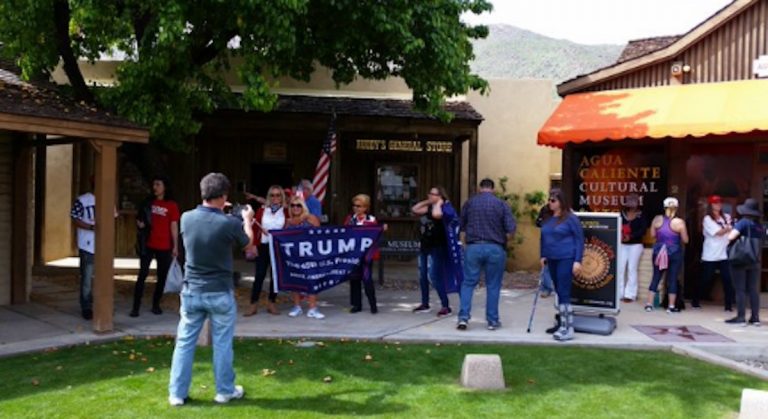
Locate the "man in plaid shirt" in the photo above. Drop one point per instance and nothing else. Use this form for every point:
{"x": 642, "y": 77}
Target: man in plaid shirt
{"x": 488, "y": 223}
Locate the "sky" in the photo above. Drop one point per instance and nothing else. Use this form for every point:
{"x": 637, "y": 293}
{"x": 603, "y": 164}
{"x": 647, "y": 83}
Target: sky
{"x": 601, "y": 21}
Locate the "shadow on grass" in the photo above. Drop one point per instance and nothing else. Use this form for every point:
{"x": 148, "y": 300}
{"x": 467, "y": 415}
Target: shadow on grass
{"x": 330, "y": 404}
{"x": 381, "y": 372}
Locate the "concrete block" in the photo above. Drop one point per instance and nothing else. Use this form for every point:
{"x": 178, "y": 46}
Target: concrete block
{"x": 482, "y": 372}
{"x": 754, "y": 404}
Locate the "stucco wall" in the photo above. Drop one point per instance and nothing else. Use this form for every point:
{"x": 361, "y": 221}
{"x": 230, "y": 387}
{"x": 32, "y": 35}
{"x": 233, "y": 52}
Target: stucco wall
{"x": 58, "y": 196}
{"x": 514, "y": 111}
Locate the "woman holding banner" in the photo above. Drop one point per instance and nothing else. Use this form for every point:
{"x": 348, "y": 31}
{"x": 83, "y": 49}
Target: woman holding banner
{"x": 361, "y": 203}
{"x": 433, "y": 257}
{"x": 671, "y": 234}
{"x": 562, "y": 248}
{"x": 272, "y": 216}
{"x": 301, "y": 218}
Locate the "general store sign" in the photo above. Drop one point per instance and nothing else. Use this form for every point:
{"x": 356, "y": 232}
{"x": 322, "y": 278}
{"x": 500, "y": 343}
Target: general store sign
{"x": 404, "y": 145}
{"x": 760, "y": 66}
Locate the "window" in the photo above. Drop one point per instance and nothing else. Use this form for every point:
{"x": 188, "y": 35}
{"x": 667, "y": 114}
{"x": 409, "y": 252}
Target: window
{"x": 396, "y": 190}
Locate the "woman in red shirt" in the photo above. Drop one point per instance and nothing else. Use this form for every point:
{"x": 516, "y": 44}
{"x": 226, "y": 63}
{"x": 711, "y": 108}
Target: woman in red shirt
{"x": 158, "y": 223}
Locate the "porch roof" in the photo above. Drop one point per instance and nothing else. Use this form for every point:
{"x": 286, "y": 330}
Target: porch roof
{"x": 37, "y": 107}
{"x": 393, "y": 108}
{"x": 645, "y": 114}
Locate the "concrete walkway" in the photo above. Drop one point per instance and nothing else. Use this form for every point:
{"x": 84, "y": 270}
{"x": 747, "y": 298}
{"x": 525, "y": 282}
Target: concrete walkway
{"x": 53, "y": 320}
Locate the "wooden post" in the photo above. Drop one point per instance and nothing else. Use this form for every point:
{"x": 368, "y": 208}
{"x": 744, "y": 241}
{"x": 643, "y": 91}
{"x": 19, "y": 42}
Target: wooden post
{"x": 20, "y": 268}
{"x": 568, "y": 175}
{"x": 473, "y": 151}
{"x": 41, "y": 157}
{"x": 103, "y": 281}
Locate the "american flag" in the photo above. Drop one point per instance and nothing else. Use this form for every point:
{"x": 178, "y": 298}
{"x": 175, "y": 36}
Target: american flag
{"x": 320, "y": 182}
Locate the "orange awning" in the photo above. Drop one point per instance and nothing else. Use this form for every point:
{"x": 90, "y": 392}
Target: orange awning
{"x": 656, "y": 112}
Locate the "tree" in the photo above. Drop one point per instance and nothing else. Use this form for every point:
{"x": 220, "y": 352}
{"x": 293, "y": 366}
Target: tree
{"x": 176, "y": 51}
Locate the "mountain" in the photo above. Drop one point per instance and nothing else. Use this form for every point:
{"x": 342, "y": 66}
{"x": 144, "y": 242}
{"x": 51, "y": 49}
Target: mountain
{"x": 513, "y": 53}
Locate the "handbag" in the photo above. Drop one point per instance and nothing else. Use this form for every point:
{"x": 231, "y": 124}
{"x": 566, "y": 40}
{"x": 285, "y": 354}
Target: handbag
{"x": 175, "y": 280}
{"x": 742, "y": 252}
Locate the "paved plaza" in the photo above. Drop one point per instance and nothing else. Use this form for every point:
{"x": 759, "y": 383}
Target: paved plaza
{"x": 53, "y": 319}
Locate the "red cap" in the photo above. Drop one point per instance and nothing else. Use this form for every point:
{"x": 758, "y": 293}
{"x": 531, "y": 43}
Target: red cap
{"x": 715, "y": 199}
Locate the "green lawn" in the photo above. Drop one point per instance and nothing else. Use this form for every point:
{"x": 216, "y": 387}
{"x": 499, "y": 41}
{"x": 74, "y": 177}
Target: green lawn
{"x": 129, "y": 379}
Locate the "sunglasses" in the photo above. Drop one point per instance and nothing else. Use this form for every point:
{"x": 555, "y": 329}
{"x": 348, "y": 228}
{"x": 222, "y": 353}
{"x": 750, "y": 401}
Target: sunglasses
{"x": 358, "y": 206}
{"x": 553, "y": 200}
{"x": 275, "y": 195}
{"x": 295, "y": 205}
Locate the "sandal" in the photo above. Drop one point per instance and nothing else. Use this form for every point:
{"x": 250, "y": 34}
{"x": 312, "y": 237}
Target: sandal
{"x": 252, "y": 310}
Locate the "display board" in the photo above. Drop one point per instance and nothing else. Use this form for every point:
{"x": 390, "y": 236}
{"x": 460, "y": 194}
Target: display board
{"x": 596, "y": 288}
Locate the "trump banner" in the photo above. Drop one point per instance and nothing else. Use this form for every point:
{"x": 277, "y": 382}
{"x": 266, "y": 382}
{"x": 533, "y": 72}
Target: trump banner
{"x": 311, "y": 260}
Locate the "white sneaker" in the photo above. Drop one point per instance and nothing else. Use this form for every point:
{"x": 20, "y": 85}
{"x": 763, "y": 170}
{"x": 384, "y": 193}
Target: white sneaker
{"x": 175, "y": 401}
{"x": 295, "y": 311}
{"x": 225, "y": 398}
{"x": 314, "y": 313}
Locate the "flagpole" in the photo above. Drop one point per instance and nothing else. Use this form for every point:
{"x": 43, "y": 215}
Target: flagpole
{"x": 336, "y": 170}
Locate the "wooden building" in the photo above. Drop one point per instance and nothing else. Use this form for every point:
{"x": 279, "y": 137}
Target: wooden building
{"x": 384, "y": 149}
{"x": 681, "y": 116}
{"x": 32, "y": 118}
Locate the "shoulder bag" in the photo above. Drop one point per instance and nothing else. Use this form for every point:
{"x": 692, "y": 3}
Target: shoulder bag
{"x": 743, "y": 252}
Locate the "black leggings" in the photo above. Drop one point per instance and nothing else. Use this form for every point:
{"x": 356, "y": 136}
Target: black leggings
{"x": 746, "y": 280}
{"x": 262, "y": 263}
{"x": 164, "y": 258}
{"x": 356, "y": 293}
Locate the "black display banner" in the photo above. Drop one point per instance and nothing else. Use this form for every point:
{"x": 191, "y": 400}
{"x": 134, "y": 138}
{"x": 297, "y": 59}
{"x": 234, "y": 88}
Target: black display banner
{"x": 606, "y": 176}
{"x": 595, "y": 288}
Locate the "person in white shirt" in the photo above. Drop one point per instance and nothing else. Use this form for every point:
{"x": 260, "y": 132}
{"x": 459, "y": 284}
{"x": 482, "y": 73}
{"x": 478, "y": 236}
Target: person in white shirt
{"x": 271, "y": 216}
{"x": 714, "y": 255}
{"x": 83, "y": 216}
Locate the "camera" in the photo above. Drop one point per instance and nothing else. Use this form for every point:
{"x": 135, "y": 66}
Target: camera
{"x": 236, "y": 210}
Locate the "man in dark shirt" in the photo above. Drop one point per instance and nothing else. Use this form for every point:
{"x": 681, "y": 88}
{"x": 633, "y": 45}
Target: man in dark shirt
{"x": 488, "y": 223}
{"x": 208, "y": 236}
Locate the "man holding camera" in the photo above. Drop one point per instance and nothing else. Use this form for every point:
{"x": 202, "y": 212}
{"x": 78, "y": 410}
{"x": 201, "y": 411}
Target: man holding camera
{"x": 208, "y": 236}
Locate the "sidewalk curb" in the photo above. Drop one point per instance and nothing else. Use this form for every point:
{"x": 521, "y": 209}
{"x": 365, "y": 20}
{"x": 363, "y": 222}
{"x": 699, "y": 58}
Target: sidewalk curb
{"x": 711, "y": 358}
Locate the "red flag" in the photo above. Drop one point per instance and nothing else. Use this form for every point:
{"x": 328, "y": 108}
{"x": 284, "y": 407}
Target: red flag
{"x": 320, "y": 182}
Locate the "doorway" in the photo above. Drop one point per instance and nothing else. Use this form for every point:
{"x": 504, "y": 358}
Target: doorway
{"x": 264, "y": 175}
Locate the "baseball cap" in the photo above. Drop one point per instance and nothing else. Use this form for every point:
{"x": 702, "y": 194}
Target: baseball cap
{"x": 671, "y": 202}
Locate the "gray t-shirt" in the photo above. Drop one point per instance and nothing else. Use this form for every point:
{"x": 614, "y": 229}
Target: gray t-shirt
{"x": 208, "y": 236}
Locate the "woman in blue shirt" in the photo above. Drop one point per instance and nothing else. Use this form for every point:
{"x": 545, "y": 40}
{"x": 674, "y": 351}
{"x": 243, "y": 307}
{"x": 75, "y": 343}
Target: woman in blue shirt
{"x": 746, "y": 277}
{"x": 562, "y": 247}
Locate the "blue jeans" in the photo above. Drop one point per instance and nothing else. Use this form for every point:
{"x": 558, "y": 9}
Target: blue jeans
{"x": 546, "y": 281}
{"x": 431, "y": 262}
{"x": 675, "y": 254}
{"x": 86, "y": 280}
{"x": 561, "y": 271}
{"x": 221, "y": 309}
{"x": 490, "y": 258}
